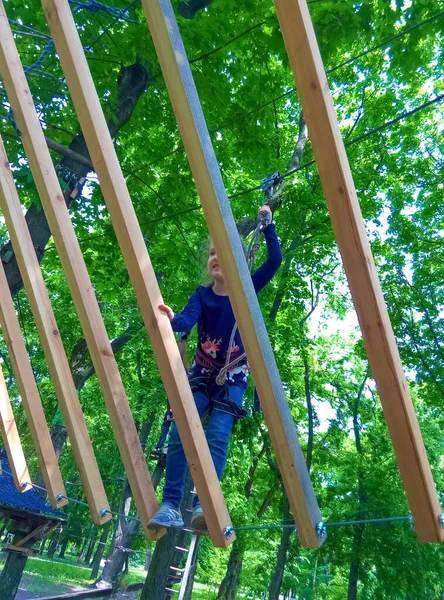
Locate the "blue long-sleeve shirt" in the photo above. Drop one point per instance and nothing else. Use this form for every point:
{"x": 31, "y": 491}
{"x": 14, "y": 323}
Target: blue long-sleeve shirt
{"x": 215, "y": 319}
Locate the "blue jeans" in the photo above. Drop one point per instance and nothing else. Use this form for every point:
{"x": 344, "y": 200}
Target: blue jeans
{"x": 217, "y": 434}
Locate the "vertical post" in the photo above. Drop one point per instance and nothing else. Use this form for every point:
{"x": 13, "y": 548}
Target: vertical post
{"x": 337, "y": 182}
{"x": 74, "y": 266}
{"x": 53, "y": 347}
{"x": 139, "y": 266}
{"x": 11, "y": 439}
{"x": 206, "y": 173}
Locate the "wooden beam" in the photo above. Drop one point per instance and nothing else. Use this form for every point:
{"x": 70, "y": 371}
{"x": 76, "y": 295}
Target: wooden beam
{"x": 349, "y": 228}
{"x": 206, "y": 173}
{"x": 52, "y": 344}
{"x": 73, "y": 263}
{"x": 11, "y": 438}
{"x": 139, "y": 266}
{"x": 29, "y": 393}
{"x": 31, "y": 535}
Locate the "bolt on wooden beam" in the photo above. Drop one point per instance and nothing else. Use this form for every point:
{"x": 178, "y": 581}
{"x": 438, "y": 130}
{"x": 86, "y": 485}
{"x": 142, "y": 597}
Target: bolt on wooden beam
{"x": 76, "y": 273}
{"x": 182, "y": 90}
{"x": 348, "y": 225}
{"x": 49, "y": 333}
{"x": 129, "y": 235}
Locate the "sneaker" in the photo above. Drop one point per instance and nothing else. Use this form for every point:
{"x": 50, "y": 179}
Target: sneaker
{"x": 198, "y": 522}
{"x": 166, "y": 516}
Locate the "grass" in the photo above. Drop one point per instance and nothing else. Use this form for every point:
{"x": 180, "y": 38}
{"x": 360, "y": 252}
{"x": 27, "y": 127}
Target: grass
{"x": 52, "y": 576}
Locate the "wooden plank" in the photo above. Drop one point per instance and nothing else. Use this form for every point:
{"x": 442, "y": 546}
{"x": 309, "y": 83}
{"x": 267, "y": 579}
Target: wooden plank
{"x": 54, "y": 351}
{"x": 197, "y": 142}
{"x": 74, "y": 267}
{"x": 29, "y": 394}
{"x": 11, "y": 438}
{"x": 30, "y": 535}
{"x": 348, "y": 224}
{"x": 139, "y": 266}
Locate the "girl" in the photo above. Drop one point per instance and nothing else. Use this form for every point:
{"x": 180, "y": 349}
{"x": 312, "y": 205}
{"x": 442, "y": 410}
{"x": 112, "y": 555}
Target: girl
{"x": 210, "y": 308}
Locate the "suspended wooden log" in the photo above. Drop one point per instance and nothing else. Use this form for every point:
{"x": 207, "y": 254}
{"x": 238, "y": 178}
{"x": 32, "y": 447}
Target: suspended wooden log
{"x": 73, "y": 263}
{"x": 349, "y": 228}
{"x": 11, "y": 438}
{"x": 140, "y": 269}
{"x": 182, "y": 90}
{"x": 53, "y": 347}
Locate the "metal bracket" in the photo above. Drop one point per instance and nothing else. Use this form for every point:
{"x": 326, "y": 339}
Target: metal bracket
{"x": 321, "y": 529}
{"x": 228, "y": 532}
{"x": 268, "y": 184}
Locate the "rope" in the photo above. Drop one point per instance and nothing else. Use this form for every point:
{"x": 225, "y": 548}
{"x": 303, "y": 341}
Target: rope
{"x": 292, "y": 90}
{"x": 251, "y": 255}
{"x": 94, "y": 6}
{"x": 356, "y": 140}
{"x": 40, "y": 61}
{"x": 76, "y": 501}
{"x": 327, "y": 524}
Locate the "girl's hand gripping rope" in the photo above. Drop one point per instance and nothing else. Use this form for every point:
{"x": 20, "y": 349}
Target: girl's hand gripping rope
{"x": 265, "y": 216}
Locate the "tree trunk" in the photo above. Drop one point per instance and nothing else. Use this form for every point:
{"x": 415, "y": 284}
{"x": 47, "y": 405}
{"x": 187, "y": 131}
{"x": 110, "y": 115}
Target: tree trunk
{"x": 353, "y": 577}
{"x": 276, "y": 579}
{"x": 90, "y": 550}
{"x": 132, "y": 83}
{"x": 15, "y": 562}
{"x": 162, "y": 559}
{"x": 81, "y": 554}
{"x": 228, "y": 587}
{"x": 100, "y": 550}
{"x": 358, "y": 530}
{"x": 125, "y": 534}
{"x": 123, "y": 538}
{"x": 11, "y": 575}
{"x": 165, "y": 554}
{"x": 42, "y": 546}
{"x": 53, "y": 545}
{"x": 65, "y": 543}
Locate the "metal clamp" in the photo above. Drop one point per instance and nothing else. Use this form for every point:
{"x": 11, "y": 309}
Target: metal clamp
{"x": 268, "y": 184}
{"x": 321, "y": 529}
{"x": 104, "y": 512}
{"x": 228, "y": 532}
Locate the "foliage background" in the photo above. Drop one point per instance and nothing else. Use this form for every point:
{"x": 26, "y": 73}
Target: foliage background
{"x": 244, "y": 82}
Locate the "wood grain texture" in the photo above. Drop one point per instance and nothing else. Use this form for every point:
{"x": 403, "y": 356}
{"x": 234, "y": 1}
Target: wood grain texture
{"x": 348, "y": 224}
{"x": 10, "y": 436}
{"x": 139, "y": 266}
{"x": 81, "y": 288}
{"x": 51, "y": 342}
{"x": 206, "y": 173}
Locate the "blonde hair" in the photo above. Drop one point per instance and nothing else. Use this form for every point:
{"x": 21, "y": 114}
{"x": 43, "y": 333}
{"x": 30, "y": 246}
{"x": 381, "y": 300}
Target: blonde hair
{"x": 206, "y": 279}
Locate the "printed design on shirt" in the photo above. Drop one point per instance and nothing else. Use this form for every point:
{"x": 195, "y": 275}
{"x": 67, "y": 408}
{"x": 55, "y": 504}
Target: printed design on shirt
{"x": 234, "y": 348}
{"x": 211, "y": 347}
{"x": 239, "y": 372}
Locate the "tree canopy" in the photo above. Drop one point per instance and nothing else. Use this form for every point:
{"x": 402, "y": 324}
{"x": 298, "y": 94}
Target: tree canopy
{"x": 384, "y": 62}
